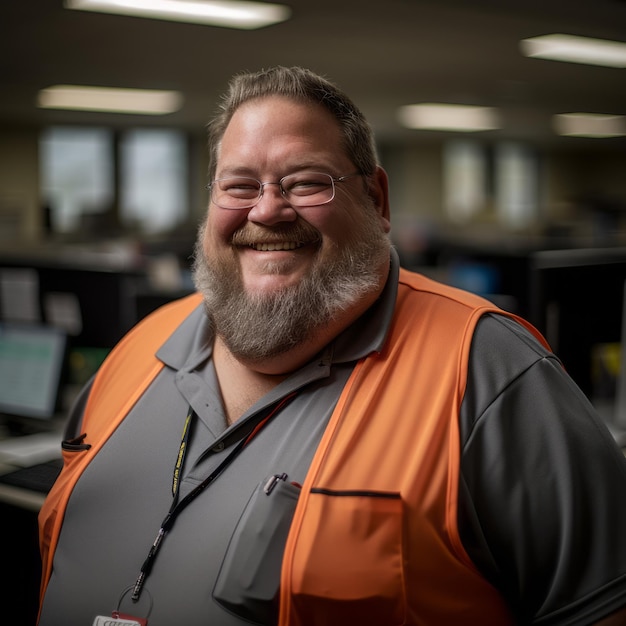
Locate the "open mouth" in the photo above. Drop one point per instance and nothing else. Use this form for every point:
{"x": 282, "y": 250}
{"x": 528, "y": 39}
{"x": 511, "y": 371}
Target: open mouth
{"x": 276, "y": 246}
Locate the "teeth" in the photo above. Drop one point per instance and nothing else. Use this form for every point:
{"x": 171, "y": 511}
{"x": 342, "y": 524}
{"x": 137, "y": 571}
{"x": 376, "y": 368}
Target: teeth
{"x": 270, "y": 247}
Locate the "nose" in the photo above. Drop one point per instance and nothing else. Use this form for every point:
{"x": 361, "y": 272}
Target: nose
{"x": 272, "y": 207}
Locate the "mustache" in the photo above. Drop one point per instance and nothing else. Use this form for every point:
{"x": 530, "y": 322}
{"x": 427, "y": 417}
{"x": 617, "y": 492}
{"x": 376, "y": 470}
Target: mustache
{"x": 300, "y": 232}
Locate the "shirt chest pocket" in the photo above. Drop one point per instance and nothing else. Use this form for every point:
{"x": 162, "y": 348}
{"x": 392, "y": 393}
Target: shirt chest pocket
{"x": 348, "y": 564}
{"x": 249, "y": 578}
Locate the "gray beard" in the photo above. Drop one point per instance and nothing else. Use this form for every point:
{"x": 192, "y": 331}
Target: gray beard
{"x": 259, "y": 326}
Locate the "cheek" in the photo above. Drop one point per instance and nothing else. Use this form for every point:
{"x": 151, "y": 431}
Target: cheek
{"x": 221, "y": 225}
{"x": 333, "y": 225}
{"x": 344, "y": 228}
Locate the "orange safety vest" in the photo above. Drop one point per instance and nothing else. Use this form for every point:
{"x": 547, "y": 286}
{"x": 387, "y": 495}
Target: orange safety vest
{"x": 121, "y": 380}
{"x": 374, "y": 538}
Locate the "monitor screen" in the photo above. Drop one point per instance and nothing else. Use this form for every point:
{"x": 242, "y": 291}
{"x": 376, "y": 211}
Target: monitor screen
{"x": 32, "y": 359}
{"x": 578, "y": 302}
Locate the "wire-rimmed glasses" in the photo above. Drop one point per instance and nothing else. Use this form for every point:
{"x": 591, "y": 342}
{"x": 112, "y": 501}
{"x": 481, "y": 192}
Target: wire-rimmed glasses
{"x": 301, "y": 189}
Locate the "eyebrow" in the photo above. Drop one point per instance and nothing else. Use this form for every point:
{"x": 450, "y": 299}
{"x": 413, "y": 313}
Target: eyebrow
{"x": 300, "y": 167}
{"x": 235, "y": 171}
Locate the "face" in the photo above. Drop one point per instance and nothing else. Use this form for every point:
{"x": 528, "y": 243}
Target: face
{"x": 274, "y": 273}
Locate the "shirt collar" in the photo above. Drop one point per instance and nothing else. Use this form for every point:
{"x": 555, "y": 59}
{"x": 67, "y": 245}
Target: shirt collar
{"x": 369, "y": 333}
{"x": 191, "y": 343}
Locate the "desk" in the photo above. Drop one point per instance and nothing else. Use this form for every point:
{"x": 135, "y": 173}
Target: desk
{"x": 21, "y": 561}
{"x": 19, "y": 508}
{"x": 21, "y": 498}
{"x": 25, "y": 453}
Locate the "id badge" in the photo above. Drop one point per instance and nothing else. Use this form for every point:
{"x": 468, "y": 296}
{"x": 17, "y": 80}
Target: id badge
{"x": 119, "y": 619}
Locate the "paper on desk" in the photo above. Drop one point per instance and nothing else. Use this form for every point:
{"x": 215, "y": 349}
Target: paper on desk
{"x": 29, "y": 450}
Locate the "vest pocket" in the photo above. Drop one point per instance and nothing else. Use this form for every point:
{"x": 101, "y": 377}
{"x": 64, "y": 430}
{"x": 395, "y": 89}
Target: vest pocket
{"x": 348, "y": 565}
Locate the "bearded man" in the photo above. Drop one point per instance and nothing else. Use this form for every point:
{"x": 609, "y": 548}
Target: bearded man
{"x": 320, "y": 436}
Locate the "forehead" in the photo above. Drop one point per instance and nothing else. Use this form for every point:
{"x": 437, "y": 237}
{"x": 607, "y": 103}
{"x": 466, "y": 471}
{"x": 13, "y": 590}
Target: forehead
{"x": 276, "y": 127}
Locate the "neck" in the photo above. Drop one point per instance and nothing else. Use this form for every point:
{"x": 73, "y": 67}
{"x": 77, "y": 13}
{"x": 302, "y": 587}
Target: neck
{"x": 241, "y": 386}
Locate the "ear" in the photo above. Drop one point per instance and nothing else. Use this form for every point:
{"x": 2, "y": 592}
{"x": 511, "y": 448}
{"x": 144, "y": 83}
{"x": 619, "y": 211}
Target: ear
{"x": 379, "y": 192}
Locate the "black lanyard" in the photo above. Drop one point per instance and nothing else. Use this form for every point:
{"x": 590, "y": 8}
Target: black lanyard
{"x": 177, "y": 506}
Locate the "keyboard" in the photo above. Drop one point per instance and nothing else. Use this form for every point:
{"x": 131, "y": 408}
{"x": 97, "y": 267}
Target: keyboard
{"x": 39, "y": 477}
{"x": 29, "y": 450}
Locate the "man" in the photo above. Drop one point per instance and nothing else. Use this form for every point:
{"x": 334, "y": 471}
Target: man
{"x": 326, "y": 438}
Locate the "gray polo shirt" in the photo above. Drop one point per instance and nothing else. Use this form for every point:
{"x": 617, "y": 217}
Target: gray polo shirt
{"x": 120, "y": 501}
{"x": 532, "y": 450}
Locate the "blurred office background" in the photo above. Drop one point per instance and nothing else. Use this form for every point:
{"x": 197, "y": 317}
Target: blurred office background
{"x": 103, "y": 206}
{"x": 520, "y": 197}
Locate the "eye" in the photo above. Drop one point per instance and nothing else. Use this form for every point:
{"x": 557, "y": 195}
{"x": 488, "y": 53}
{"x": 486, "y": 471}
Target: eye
{"x": 240, "y": 187}
{"x": 307, "y": 183}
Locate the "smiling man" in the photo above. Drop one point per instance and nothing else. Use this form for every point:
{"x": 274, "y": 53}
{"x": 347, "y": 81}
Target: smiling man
{"x": 286, "y": 265}
{"x": 321, "y": 437}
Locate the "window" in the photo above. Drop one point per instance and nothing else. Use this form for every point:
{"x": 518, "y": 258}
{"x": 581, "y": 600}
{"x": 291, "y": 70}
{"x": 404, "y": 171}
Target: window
{"x": 504, "y": 176}
{"x": 516, "y": 185}
{"x": 465, "y": 180}
{"x": 153, "y": 172}
{"x": 78, "y": 180}
{"x": 77, "y": 175}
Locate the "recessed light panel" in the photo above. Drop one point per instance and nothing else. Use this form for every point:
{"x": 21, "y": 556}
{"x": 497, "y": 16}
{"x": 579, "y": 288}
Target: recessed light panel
{"x": 235, "y": 14}
{"x": 138, "y": 101}
{"x": 450, "y": 117}
{"x": 573, "y": 49}
{"x": 590, "y": 125}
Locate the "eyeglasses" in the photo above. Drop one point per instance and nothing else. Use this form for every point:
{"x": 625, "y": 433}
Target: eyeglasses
{"x": 302, "y": 189}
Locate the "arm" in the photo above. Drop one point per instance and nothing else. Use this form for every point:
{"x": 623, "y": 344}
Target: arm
{"x": 535, "y": 450}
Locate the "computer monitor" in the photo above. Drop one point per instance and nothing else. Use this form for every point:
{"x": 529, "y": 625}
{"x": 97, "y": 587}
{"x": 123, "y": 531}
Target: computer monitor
{"x": 578, "y": 303}
{"x": 94, "y": 304}
{"x": 619, "y": 417}
{"x": 32, "y": 362}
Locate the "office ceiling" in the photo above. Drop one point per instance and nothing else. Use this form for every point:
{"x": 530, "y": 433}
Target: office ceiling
{"x": 385, "y": 53}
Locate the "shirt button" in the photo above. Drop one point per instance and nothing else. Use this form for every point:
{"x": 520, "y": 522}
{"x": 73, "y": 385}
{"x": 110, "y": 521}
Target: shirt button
{"x": 218, "y": 447}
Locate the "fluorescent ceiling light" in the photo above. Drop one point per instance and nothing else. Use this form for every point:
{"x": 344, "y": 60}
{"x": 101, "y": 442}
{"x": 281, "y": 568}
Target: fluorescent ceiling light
{"x": 573, "y": 49}
{"x": 452, "y": 117}
{"x": 590, "y": 125}
{"x": 140, "y": 101}
{"x": 235, "y": 14}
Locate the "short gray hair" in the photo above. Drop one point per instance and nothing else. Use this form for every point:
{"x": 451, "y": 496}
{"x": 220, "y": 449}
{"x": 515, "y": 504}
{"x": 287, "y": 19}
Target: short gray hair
{"x": 301, "y": 85}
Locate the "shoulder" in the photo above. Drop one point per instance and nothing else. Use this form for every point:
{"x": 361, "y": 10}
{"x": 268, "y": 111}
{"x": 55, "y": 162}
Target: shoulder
{"x": 506, "y": 361}
{"x": 423, "y": 303}
{"x": 533, "y": 449}
{"x": 449, "y": 313}
{"x": 412, "y": 283}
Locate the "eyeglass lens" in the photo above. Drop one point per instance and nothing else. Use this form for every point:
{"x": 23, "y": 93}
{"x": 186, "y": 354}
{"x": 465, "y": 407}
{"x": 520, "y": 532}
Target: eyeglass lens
{"x": 300, "y": 189}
